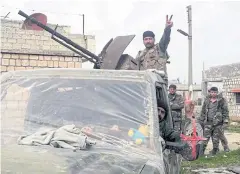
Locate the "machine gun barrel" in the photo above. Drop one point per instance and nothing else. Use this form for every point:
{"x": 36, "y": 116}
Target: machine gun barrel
{"x": 53, "y": 32}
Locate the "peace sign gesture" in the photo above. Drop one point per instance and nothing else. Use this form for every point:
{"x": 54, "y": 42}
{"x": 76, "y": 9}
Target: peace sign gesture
{"x": 168, "y": 21}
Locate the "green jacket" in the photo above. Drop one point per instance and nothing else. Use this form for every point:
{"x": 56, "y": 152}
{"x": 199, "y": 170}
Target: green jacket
{"x": 168, "y": 133}
{"x": 222, "y": 113}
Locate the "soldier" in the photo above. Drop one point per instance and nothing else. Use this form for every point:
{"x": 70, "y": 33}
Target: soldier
{"x": 155, "y": 56}
{"x": 176, "y": 104}
{"x": 214, "y": 117}
{"x": 167, "y": 133}
{"x": 222, "y": 137}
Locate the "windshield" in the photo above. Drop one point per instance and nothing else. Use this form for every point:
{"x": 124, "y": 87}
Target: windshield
{"x": 114, "y": 110}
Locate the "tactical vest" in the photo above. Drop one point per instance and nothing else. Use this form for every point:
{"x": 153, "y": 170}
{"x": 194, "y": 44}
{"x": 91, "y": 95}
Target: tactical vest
{"x": 152, "y": 58}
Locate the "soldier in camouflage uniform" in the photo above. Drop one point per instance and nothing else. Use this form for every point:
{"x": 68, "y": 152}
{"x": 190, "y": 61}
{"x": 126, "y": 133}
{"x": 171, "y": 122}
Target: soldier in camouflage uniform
{"x": 166, "y": 132}
{"x": 214, "y": 117}
{"x": 155, "y": 56}
{"x": 176, "y": 104}
{"x": 222, "y": 137}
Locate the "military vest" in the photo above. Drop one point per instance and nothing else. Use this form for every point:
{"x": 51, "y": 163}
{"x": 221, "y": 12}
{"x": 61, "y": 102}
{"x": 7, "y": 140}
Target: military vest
{"x": 152, "y": 58}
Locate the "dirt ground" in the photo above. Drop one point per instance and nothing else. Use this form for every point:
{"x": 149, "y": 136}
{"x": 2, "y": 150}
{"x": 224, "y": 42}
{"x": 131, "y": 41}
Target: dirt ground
{"x": 233, "y": 141}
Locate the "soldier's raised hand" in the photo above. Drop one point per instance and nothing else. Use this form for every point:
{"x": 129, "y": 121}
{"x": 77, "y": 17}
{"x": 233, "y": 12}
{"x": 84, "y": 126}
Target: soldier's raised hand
{"x": 169, "y": 23}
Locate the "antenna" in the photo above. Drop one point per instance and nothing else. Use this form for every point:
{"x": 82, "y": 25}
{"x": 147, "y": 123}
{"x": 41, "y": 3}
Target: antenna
{"x": 28, "y": 25}
{"x": 6, "y": 16}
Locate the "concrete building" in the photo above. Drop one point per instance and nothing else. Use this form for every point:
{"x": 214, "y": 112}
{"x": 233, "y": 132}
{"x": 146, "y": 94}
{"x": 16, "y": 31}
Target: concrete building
{"x": 28, "y": 49}
{"x": 227, "y": 79}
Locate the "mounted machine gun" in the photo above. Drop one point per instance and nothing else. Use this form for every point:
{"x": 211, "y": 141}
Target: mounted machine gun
{"x": 111, "y": 56}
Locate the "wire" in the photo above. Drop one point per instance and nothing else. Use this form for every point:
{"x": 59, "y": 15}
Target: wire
{"x": 42, "y": 11}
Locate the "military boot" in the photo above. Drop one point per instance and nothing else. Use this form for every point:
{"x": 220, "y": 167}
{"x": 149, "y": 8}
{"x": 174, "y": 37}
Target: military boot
{"x": 215, "y": 151}
{"x": 226, "y": 149}
{"x": 203, "y": 150}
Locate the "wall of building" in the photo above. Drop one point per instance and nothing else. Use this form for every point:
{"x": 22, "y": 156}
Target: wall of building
{"x": 12, "y": 62}
{"x": 228, "y": 85}
{"x": 27, "y": 49}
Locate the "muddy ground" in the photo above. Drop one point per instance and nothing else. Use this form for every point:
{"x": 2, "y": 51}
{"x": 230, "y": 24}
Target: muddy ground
{"x": 233, "y": 141}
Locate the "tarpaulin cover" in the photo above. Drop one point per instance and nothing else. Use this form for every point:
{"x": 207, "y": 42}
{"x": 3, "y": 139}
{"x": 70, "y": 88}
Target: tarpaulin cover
{"x": 110, "y": 110}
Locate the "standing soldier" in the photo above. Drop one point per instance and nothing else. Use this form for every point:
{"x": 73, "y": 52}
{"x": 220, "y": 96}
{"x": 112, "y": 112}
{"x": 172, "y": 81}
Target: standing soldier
{"x": 155, "y": 56}
{"x": 222, "y": 137}
{"x": 176, "y": 104}
{"x": 214, "y": 117}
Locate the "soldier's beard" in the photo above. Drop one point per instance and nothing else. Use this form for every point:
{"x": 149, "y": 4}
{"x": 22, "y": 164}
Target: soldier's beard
{"x": 149, "y": 45}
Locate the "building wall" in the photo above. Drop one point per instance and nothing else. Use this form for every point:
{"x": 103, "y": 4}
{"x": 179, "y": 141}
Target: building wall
{"x": 12, "y": 62}
{"x": 27, "y": 49}
{"x": 228, "y": 85}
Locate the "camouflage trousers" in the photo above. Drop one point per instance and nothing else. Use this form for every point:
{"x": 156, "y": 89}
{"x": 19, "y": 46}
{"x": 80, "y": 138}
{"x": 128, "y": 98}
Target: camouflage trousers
{"x": 222, "y": 138}
{"x": 214, "y": 132}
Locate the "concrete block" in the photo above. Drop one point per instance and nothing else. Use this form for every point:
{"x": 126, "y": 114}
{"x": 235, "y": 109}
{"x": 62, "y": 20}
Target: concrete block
{"x": 33, "y": 57}
{"x": 46, "y": 47}
{"x": 18, "y": 62}
{"x": 26, "y": 46}
{"x": 12, "y": 62}
{"x": 47, "y": 58}
{"x": 63, "y": 64}
{"x": 42, "y": 63}
{"x": 31, "y": 42}
{"x": 25, "y": 62}
{"x": 10, "y": 68}
{"x": 20, "y": 68}
{"x": 21, "y": 41}
{"x": 5, "y": 61}
{"x": 68, "y": 59}
{"x": 40, "y": 58}
{"x": 6, "y": 56}
{"x": 50, "y": 63}
{"x": 55, "y": 64}
{"x": 77, "y": 65}
{"x": 3, "y": 68}
{"x": 22, "y": 56}
{"x": 29, "y": 67}
{"x": 75, "y": 59}
{"x": 55, "y": 58}
{"x": 70, "y": 65}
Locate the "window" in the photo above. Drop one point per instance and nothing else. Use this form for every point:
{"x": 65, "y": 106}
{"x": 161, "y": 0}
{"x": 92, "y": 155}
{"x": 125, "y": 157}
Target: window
{"x": 238, "y": 98}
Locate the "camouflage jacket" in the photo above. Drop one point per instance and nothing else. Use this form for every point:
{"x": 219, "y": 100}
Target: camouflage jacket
{"x": 167, "y": 133}
{"x": 157, "y": 56}
{"x": 176, "y": 104}
{"x": 222, "y": 113}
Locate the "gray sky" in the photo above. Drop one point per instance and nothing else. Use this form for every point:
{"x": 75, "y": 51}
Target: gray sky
{"x": 216, "y": 30}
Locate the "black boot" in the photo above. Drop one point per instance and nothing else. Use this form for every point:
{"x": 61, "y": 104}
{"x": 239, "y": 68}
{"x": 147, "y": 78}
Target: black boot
{"x": 203, "y": 150}
{"x": 226, "y": 149}
{"x": 215, "y": 151}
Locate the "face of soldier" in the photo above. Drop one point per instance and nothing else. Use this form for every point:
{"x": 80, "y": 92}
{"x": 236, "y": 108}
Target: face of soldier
{"x": 161, "y": 113}
{"x": 172, "y": 90}
{"x": 148, "y": 42}
{"x": 213, "y": 94}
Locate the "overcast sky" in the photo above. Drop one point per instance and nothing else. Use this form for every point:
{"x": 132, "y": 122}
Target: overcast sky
{"x": 216, "y": 27}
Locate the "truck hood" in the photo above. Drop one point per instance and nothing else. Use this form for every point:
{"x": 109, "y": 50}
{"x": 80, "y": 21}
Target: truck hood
{"x": 46, "y": 159}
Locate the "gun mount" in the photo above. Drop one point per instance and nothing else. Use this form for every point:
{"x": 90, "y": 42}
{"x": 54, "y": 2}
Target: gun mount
{"x": 111, "y": 56}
